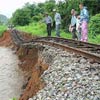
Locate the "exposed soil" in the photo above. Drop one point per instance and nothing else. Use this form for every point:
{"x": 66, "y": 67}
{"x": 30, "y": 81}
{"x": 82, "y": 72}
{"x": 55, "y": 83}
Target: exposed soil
{"x": 6, "y": 39}
{"x": 31, "y": 63}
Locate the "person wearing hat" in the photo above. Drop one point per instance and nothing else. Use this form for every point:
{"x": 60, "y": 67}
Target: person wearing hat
{"x": 57, "y": 19}
{"x": 48, "y": 21}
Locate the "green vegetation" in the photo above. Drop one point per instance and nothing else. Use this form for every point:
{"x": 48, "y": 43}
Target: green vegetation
{"x": 2, "y": 29}
{"x": 34, "y": 28}
{"x": 95, "y": 40}
{"x": 13, "y": 99}
{"x": 94, "y": 25}
{"x": 3, "y": 22}
{"x": 27, "y": 18}
{"x": 94, "y": 29}
{"x": 39, "y": 29}
{"x": 31, "y": 12}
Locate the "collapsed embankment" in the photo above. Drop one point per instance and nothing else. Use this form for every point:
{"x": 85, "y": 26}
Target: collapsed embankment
{"x": 69, "y": 76}
{"x": 32, "y": 63}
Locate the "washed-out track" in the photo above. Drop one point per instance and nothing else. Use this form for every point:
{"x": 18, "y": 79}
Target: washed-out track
{"x": 88, "y": 50}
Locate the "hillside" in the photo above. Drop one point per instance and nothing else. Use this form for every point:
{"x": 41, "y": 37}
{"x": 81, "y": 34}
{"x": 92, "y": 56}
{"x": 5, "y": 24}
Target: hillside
{"x": 3, "y": 19}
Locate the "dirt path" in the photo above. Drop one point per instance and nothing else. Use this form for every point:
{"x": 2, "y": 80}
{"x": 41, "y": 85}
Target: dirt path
{"x": 11, "y": 77}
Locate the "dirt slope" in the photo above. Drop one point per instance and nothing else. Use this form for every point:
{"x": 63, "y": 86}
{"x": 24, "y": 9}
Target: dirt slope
{"x": 31, "y": 63}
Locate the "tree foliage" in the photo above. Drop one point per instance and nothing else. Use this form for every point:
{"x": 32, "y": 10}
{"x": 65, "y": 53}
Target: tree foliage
{"x": 94, "y": 26}
{"x": 21, "y": 17}
{"x": 33, "y": 11}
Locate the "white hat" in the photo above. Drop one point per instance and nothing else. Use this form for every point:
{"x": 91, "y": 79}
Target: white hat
{"x": 54, "y": 9}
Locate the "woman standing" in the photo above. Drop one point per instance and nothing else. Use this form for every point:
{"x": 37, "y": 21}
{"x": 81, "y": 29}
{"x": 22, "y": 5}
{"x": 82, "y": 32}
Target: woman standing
{"x": 84, "y": 18}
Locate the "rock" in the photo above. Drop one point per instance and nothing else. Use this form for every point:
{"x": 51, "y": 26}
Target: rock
{"x": 96, "y": 78}
{"x": 30, "y": 99}
{"x": 83, "y": 60}
{"x": 69, "y": 79}
{"x": 78, "y": 76}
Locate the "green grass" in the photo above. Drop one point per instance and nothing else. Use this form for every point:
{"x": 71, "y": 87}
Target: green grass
{"x": 2, "y": 29}
{"x": 95, "y": 40}
{"x": 39, "y": 29}
{"x": 13, "y": 99}
{"x": 34, "y": 29}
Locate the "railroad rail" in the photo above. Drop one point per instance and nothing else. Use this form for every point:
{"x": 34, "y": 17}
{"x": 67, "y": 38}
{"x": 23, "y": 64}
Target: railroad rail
{"x": 88, "y": 50}
{"x": 94, "y": 48}
{"x": 19, "y": 41}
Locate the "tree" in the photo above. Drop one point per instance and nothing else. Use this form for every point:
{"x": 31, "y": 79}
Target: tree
{"x": 50, "y": 5}
{"x": 21, "y": 17}
{"x": 94, "y": 25}
{"x": 33, "y": 11}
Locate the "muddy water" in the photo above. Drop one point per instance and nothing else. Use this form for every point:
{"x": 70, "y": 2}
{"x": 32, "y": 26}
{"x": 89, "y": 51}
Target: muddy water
{"x": 11, "y": 77}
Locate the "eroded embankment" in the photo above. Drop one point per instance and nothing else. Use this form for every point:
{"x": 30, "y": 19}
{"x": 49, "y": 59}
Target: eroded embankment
{"x": 69, "y": 76}
{"x": 5, "y": 40}
{"x": 33, "y": 64}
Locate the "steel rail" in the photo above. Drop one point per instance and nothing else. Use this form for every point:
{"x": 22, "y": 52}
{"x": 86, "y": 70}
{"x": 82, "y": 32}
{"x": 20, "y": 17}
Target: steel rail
{"x": 70, "y": 49}
{"x": 55, "y": 42}
{"x": 58, "y": 39}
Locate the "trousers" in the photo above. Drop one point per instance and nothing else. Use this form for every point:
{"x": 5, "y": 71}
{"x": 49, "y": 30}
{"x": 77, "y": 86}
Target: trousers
{"x": 84, "y": 31}
{"x": 49, "y": 29}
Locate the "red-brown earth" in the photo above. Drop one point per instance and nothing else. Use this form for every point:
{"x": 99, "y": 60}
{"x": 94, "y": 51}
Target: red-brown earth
{"x": 32, "y": 63}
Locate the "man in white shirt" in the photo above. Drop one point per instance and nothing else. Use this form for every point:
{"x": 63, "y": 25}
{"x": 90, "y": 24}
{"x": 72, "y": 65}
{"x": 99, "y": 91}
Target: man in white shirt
{"x": 57, "y": 19}
{"x": 48, "y": 21}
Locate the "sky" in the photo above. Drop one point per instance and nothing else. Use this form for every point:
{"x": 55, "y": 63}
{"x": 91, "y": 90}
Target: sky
{"x": 7, "y": 7}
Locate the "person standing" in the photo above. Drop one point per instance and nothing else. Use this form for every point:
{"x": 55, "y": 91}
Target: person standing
{"x": 78, "y": 27}
{"x": 84, "y": 18}
{"x": 72, "y": 27}
{"x": 57, "y": 19}
{"x": 48, "y": 21}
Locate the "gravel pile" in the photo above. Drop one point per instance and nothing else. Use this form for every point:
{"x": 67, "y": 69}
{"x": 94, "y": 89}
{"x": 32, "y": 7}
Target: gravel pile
{"x": 69, "y": 77}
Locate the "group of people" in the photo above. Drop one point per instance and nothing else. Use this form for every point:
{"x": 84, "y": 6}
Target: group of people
{"x": 78, "y": 26}
{"x": 49, "y": 22}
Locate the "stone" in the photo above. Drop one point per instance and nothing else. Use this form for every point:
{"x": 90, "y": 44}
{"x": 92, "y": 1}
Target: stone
{"x": 69, "y": 79}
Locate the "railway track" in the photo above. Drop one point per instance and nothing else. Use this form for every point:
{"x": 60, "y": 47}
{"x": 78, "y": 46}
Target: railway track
{"x": 88, "y": 50}
{"x": 93, "y": 48}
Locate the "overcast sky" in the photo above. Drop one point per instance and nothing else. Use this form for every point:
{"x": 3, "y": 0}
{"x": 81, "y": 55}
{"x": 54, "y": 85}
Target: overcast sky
{"x": 7, "y": 7}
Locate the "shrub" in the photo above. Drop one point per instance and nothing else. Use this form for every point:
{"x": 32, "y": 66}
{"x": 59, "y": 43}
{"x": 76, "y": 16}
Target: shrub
{"x": 37, "y": 17}
{"x": 94, "y": 25}
{"x": 2, "y": 29}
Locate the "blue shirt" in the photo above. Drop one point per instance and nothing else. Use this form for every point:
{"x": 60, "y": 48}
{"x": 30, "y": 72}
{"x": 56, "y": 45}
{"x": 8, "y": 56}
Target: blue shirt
{"x": 84, "y": 15}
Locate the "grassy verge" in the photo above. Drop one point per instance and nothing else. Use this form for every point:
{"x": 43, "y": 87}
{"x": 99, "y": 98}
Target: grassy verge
{"x": 39, "y": 29}
{"x": 95, "y": 40}
{"x": 34, "y": 29}
{"x": 13, "y": 99}
{"x": 2, "y": 29}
